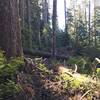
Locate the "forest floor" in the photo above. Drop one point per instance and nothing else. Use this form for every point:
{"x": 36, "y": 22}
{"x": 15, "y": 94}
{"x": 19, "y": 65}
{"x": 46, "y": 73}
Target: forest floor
{"x": 39, "y": 82}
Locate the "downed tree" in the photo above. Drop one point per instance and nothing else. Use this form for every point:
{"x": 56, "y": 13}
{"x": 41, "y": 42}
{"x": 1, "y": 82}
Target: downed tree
{"x": 43, "y": 54}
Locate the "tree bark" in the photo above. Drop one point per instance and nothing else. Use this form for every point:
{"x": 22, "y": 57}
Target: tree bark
{"x": 10, "y": 34}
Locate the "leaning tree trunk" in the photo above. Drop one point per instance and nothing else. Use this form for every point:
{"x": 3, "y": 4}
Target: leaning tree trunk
{"x": 10, "y": 34}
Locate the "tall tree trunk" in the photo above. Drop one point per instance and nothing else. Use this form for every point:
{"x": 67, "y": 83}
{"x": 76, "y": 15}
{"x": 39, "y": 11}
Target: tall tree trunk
{"x": 54, "y": 24}
{"x": 28, "y": 4}
{"x": 86, "y": 23}
{"x": 89, "y": 23}
{"x": 65, "y": 14}
{"x": 39, "y": 34}
{"x": 45, "y": 12}
{"x": 45, "y": 18}
{"x": 22, "y": 12}
{"x": 95, "y": 38}
{"x": 10, "y": 34}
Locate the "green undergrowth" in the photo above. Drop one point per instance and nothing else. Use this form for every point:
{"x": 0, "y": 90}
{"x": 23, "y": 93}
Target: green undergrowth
{"x": 67, "y": 79}
{"x": 83, "y": 63}
{"x": 8, "y": 71}
{"x": 79, "y": 82}
{"x": 76, "y": 81}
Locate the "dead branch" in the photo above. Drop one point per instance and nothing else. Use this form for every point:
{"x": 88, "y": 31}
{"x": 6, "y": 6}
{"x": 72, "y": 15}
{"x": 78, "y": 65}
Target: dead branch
{"x": 85, "y": 94}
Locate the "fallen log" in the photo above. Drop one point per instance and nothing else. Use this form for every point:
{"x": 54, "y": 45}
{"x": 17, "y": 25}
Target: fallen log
{"x": 43, "y": 54}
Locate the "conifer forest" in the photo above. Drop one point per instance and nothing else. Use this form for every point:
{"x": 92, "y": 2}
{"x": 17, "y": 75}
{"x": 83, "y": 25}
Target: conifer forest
{"x": 49, "y": 49}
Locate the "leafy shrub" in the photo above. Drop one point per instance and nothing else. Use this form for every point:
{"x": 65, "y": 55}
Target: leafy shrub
{"x": 8, "y": 90}
{"x": 8, "y": 69}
